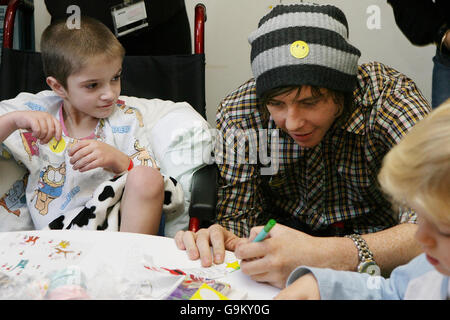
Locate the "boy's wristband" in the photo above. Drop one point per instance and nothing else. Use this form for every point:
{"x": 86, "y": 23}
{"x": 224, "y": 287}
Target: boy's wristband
{"x": 131, "y": 165}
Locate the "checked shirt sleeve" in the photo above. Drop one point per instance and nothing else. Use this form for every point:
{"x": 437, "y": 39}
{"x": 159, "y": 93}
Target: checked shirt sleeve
{"x": 239, "y": 197}
{"x": 400, "y": 106}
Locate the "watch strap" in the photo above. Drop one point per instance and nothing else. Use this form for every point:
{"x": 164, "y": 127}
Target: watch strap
{"x": 364, "y": 254}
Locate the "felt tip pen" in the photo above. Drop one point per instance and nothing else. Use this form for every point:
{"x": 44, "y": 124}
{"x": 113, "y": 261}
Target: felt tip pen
{"x": 263, "y": 233}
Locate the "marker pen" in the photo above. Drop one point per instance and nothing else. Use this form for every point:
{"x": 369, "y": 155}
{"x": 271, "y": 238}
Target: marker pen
{"x": 263, "y": 233}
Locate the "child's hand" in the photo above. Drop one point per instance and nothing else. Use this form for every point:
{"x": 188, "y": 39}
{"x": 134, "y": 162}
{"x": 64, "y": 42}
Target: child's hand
{"x": 304, "y": 288}
{"x": 91, "y": 154}
{"x": 43, "y": 125}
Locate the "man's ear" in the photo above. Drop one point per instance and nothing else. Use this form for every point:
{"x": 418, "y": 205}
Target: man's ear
{"x": 56, "y": 86}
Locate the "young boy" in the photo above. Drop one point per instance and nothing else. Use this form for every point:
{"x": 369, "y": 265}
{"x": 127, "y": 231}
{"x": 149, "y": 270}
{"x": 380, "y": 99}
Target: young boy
{"x": 86, "y": 151}
{"x": 415, "y": 173}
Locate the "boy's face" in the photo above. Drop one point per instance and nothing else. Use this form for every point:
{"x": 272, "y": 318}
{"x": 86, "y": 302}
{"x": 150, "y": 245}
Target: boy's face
{"x": 435, "y": 240}
{"x": 94, "y": 90}
{"x": 304, "y": 117}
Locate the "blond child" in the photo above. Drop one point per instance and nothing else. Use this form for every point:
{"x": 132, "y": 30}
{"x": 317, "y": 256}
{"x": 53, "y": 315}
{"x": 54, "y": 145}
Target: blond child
{"x": 81, "y": 136}
{"x": 415, "y": 173}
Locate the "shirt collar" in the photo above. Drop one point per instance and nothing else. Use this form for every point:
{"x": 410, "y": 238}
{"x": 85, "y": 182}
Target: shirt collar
{"x": 355, "y": 123}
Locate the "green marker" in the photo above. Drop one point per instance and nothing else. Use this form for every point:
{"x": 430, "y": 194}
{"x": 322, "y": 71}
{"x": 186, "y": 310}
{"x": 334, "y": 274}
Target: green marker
{"x": 262, "y": 235}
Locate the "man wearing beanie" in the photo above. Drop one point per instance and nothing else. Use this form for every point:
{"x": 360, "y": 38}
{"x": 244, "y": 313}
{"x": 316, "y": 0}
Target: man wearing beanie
{"x": 336, "y": 121}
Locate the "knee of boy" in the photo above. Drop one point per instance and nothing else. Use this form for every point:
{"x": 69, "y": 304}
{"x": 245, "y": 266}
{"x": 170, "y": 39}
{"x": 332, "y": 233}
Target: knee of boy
{"x": 146, "y": 180}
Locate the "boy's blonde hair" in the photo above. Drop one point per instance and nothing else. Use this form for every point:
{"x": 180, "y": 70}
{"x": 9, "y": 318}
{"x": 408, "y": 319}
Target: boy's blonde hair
{"x": 416, "y": 172}
{"x": 65, "y": 51}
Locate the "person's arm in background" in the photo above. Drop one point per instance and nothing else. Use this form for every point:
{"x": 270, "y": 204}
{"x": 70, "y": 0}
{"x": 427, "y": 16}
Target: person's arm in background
{"x": 419, "y": 21}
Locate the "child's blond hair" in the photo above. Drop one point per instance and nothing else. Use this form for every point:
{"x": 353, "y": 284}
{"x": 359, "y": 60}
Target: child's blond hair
{"x": 65, "y": 50}
{"x": 416, "y": 172}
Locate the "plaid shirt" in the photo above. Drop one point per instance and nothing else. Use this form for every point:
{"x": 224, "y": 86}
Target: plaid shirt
{"x": 331, "y": 187}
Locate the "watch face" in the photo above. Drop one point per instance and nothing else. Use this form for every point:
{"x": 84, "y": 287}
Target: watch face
{"x": 369, "y": 267}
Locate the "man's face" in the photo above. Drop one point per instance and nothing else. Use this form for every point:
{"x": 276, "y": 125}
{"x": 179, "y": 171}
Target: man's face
{"x": 306, "y": 118}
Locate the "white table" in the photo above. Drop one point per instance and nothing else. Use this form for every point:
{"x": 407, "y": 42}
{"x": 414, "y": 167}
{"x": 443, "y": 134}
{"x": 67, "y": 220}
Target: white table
{"x": 107, "y": 258}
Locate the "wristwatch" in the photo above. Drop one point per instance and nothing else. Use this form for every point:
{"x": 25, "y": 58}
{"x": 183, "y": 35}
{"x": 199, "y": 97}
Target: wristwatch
{"x": 367, "y": 263}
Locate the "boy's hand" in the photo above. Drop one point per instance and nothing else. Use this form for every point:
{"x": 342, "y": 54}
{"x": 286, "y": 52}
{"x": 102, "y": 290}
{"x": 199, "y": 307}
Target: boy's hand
{"x": 43, "y": 125}
{"x": 91, "y": 154}
{"x": 304, "y": 288}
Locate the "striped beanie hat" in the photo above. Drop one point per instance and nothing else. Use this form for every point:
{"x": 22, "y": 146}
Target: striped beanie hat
{"x": 303, "y": 44}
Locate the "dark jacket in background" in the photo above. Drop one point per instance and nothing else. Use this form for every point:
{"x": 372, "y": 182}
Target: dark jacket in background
{"x": 168, "y": 31}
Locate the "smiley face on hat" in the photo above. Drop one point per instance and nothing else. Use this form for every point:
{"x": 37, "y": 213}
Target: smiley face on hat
{"x": 303, "y": 44}
{"x": 299, "y": 49}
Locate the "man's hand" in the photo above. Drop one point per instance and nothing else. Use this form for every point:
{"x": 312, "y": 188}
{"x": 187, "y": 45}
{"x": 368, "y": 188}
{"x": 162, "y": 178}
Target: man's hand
{"x": 198, "y": 245}
{"x": 273, "y": 259}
